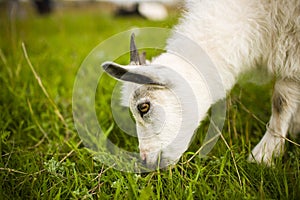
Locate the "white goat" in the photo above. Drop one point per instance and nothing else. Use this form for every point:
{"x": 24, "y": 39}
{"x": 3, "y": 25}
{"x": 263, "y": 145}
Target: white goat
{"x": 238, "y": 35}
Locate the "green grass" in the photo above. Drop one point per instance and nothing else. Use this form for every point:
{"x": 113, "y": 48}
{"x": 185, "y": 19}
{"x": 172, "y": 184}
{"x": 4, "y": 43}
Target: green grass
{"x": 42, "y": 156}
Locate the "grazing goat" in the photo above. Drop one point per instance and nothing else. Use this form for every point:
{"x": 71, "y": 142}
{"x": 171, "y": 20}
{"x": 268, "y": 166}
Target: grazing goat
{"x": 238, "y": 35}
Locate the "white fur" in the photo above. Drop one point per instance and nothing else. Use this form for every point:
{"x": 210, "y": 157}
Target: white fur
{"x": 238, "y": 35}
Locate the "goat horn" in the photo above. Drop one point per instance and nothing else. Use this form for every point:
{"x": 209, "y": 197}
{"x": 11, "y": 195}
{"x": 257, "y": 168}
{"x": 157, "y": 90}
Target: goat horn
{"x": 134, "y": 54}
{"x": 143, "y": 58}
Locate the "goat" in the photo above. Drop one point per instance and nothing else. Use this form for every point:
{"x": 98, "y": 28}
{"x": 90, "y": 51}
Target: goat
{"x": 238, "y": 36}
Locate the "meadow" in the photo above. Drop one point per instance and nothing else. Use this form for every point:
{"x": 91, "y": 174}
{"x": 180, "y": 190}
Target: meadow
{"x": 42, "y": 156}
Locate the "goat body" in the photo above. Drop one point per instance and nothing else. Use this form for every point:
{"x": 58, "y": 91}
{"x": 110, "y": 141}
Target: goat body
{"x": 238, "y": 36}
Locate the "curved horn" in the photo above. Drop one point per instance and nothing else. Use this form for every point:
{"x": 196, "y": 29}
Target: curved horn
{"x": 134, "y": 54}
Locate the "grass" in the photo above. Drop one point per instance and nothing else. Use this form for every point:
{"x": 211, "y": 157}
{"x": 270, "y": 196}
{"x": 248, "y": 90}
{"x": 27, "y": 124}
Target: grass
{"x": 42, "y": 156}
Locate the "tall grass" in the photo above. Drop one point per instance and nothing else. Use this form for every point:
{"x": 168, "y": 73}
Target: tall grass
{"x": 42, "y": 157}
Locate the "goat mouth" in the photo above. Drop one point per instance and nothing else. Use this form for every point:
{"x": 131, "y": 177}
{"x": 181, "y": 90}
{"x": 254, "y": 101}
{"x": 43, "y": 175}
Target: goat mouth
{"x": 157, "y": 160}
{"x": 151, "y": 161}
{"x": 162, "y": 164}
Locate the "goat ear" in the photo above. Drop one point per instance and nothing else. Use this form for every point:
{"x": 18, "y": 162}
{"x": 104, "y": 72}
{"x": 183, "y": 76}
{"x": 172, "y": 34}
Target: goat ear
{"x": 125, "y": 74}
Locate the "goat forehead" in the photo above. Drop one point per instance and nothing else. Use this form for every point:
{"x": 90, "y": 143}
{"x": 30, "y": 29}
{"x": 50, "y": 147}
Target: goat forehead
{"x": 146, "y": 91}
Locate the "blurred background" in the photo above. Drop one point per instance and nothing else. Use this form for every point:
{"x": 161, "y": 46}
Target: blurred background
{"x": 155, "y": 10}
{"x": 59, "y": 34}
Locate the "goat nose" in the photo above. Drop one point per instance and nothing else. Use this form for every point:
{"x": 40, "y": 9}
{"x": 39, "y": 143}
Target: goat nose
{"x": 144, "y": 161}
{"x": 144, "y": 158}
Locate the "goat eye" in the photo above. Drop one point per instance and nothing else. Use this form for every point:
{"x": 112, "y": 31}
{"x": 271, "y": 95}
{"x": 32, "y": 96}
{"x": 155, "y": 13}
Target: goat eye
{"x": 143, "y": 108}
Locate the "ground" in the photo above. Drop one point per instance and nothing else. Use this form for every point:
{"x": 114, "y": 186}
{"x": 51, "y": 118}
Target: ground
{"x": 42, "y": 156}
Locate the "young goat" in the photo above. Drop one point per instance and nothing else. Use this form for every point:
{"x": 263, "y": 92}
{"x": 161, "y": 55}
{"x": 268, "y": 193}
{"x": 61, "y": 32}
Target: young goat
{"x": 238, "y": 35}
